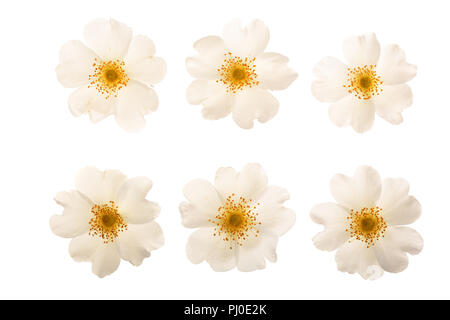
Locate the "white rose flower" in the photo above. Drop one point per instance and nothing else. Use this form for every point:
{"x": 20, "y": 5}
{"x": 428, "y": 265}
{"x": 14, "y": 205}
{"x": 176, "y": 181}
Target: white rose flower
{"x": 239, "y": 219}
{"x": 113, "y": 74}
{"x": 372, "y": 82}
{"x": 234, "y": 75}
{"x": 109, "y": 219}
{"x": 366, "y": 226}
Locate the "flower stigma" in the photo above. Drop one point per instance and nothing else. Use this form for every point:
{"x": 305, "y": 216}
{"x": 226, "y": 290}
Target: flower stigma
{"x": 107, "y": 222}
{"x": 237, "y": 73}
{"x": 236, "y": 221}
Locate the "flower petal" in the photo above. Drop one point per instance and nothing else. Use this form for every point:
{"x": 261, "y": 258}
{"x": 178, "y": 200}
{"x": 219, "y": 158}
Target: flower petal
{"x": 75, "y": 64}
{"x": 273, "y": 71}
{"x": 249, "y": 41}
{"x": 136, "y": 243}
{"x": 363, "y": 116}
{"x": 226, "y": 181}
{"x": 393, "y": 68}
{"x": 105, "y": 260}
{"x": 398, "y": 207}
{"x": 99, "y": 186}
{"x": 361, "y": 190}
{"x": 254, "y": 103}
{"x": 150, "y": 70}
{"x": 218, "y": 104}
{"x": 251, "y": 181}
{"x": 359, "y": 114}
{"x": 333, "y": 217}
{"x": 362, "y": 50}
{"x": 211, "y": 56}
{"x": 199, "y": 90}
{"x": 204, "y": 202}
{"x": 132, "y": 203}
{"x": 89, "y": 100}
{"x": 251, "y": 255}
{"x": 355, "y": 257}
{"x": 108, "y": 38}
{"x": 135, "y": 101}
{"x": 392, "y": 101}
{"x": 141, "y": 47}
{"x": 202, "y": 245}
{"x": 74, "y": 220}
{"x": 331, "y": 77}
{"x": 275, "y": 218}
{"x": 391, "y": 250}
{"x": 83, "y": 247}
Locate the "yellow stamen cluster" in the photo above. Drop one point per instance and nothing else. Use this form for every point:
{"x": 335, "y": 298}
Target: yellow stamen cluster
{"x": 237, "y": 73}
{"x": 366, "y": 225}
{"x": 108, "y": 77}
{"x": 363, "y": 82}
{"x": 236, "y": 221}
{"x": 107, "y": 222}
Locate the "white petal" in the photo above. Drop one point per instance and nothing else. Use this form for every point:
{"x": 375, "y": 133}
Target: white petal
{"x": 248, "y": 41}
{"x": 391, "y": 251}
{"x": 251, "y": 255}
{"x": 226, "y": 181}
{"x": 363, "y": 116}
{"x": 108, "y": 38}
{"x": 331, "y": 77}
{"x": 74, "y": 220}
{"x": 132, "y": 203}
{"x": 105, "y": 260}
{"x": 194, "y": 217}
{"x": 341, "y": 112}
{"x": 218, "y": 104}
{"x": 333, "y": 217}
{"x": 398, "y": 207}
{"x": 254, "y": 103}
{"x": 251, "y": 181}
{"x": 393, "y": 68}
{"x": 355, "y": 257}
{"x": 362, "y": 50}
{"x": 141, "y": 47}
{"x": 202, "y": 245}
{"x": 99, "y": 186}
{"x": 75, "y": 64}
{"x": 204, "y": 202}
{"x": 275, "y": 218}
{"x": 392, "y": 101}
{"x": 211, "y": 56}
{"x": 150, "y": 70}
{"x": 136, "y": 243}
{"x": 89, "y": 100}
{"x": 83, "y": 248}
{"x": 200, "y": 90}
{"x": 361, "y": 190}
{"x": 135, "y": 101}
{"x": 358, "y": 113}
{"x": 273, "y": 71}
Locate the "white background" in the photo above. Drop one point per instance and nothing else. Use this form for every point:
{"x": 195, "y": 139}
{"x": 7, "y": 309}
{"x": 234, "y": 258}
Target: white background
{"x": 43, "y": 147}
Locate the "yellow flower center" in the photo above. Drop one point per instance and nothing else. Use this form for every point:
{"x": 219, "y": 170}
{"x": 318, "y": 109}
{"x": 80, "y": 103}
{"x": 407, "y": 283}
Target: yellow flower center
{"x": 363, "y": 82}
{"x": 107, "y": 222}
{"x": 108, "y": 77}
{"x": 367, "y": 225}
{"x": 237, "y": 73}
{"x": 236, "y": 221}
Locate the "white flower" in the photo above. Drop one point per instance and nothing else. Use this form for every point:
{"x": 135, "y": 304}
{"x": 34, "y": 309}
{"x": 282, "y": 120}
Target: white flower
{"x": 372, "y": 82}
{"x": 239, "y": 219}
{"x": 109, "y": 219}
{"x": 366, "y": 224}
{"x": 112, "y": 73}
{"x": 234, "y": 75}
